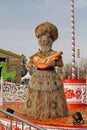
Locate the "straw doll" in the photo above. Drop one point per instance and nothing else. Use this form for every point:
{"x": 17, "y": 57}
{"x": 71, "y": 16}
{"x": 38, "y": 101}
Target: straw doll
{"x": 45, "y": 97}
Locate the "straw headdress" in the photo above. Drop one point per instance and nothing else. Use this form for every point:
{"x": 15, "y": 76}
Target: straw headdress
{"x": 47, "y": 28}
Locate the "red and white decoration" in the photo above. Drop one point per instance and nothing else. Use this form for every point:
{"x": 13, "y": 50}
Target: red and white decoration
{"x": 75, "y": 91}
{"x": 73, "y": 39}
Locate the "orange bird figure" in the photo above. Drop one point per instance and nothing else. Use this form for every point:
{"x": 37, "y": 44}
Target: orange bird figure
{"x": 44, "y": 63}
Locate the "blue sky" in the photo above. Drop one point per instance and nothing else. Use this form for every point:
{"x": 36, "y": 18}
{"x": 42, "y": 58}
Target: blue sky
{"x": 19, "y": 18}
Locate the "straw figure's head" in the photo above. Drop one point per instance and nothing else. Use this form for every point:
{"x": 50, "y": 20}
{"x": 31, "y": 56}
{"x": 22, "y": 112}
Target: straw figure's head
{"x": 46, "y": 33}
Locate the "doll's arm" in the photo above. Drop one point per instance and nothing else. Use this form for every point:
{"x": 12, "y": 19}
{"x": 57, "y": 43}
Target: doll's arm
{"x": 31, "y": 67}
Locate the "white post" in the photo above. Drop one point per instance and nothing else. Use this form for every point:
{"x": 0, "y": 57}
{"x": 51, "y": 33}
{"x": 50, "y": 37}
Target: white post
{"x": 78, "y": 68}
{"x": 78, "y": 57}
{"x": 1, "y": 93}
{"x": 86, "y": 89}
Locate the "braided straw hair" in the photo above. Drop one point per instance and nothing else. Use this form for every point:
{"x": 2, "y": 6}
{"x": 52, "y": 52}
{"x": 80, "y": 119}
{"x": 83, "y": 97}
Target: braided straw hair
{"x": 47, "y": 28}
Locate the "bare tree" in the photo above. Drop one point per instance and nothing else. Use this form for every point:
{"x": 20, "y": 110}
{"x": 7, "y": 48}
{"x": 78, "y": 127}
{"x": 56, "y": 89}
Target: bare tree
{"x": 23, "y": 67}
{"x": 67, "y": 70}
{"x": 82, "y": 68}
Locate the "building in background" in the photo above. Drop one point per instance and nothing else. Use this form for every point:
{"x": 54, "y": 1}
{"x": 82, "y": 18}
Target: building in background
{"x": 13, "y": 62}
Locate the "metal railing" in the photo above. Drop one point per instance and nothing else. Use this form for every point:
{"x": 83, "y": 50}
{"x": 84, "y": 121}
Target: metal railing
{"x": 18, "y": 123}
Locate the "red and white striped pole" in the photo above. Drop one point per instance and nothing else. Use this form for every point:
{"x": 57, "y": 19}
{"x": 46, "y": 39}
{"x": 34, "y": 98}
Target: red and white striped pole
{"x": 73, "y": 40}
